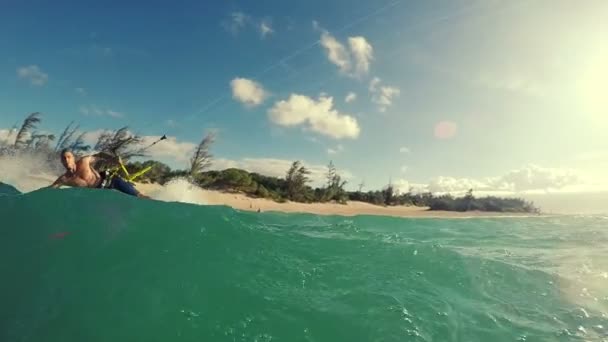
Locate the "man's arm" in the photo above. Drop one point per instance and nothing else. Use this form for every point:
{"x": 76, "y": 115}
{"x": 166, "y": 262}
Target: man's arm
{"x": 58, "y": 182}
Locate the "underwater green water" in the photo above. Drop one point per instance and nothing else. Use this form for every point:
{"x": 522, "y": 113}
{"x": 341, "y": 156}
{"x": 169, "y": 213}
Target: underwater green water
{"x": 86, "y": 265}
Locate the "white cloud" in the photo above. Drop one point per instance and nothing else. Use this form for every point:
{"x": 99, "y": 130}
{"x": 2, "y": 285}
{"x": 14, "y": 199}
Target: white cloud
{"x": 81, "y": 91}
{"x": 94, "y": 110}
{"x": 404, "y": 149}
{"x": 527, "y": 180}
{"x": 401, "y": 185}
{"x": 239, "y": 18}
{"x": 265, "y": 28}
{"x": 531, "y": 178}
{"x": 7, "y": 136}
{"x": 248, "y": 92}
{"x": 237, "y": 21}
{"x": 33, "y": 74}
{"x": 350, "y": 97}
{"x": 171, "y": 123}
{"x": 450, "y": 184}
{"x": 373, "y": 84}
{"x": 266, "y": 166}
{"x": 169, "y": 148}
{"x": 353, "y": 61}
{"x": 362, "y": 53}
{"x": 114, "y": 114}
{"x": 90, "y": 110}
{"x": 317, "y": 115}
{"x": 335, "y": 150}
{"x": 336, "y": 52}
{"x": 278, "y": 168}
{"x": 382, "y": 95}
{"x": 404, "y": 168}
{"x": 91, "y": 137}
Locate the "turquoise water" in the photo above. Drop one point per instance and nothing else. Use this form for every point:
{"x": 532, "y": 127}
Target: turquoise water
{"x": 86, "y": 265}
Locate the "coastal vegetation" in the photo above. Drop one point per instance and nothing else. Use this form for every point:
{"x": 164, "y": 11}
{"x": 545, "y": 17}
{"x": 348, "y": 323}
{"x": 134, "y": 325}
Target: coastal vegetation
{"x": 294, "y": 186}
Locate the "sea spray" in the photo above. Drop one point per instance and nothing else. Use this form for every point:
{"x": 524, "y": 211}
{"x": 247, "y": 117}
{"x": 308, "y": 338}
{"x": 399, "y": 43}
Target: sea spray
{"x": 179, "y": 190}
{"x": 28, "y": 172}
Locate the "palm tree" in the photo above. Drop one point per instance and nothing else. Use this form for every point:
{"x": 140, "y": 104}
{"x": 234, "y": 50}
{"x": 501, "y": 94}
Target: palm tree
{"x": 201, "y": 159}
{"x": 296, "y": 179}
{"x": 120, "y": 143}
{"x": 28, "y": 124}
{"x": 66, "y": 136}
{"x": 78, "y": 144}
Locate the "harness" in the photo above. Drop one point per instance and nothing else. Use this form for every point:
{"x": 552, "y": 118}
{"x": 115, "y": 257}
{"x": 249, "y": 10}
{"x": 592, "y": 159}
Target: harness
{"x": 106, "y": 179}
{"x": 109, "y": 174}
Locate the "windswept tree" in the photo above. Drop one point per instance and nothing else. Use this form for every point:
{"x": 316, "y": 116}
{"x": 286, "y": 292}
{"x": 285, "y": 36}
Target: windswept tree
{"x": 120, "y": 143}
{"x": 28, "y": 125}
{"x": 388, "y": 193}
{"x": 79, "y": 144}
{"x": 296, "y": 180}
{"x": 41, "y": 141}
{"x": 468, "y": 200}
{"x": 331, "y": 173}
{"x": 66, "y": 137}
{"x": 361, "y": 185}
{"x": 201, "y": 159}
{"x": 335, "y": 185}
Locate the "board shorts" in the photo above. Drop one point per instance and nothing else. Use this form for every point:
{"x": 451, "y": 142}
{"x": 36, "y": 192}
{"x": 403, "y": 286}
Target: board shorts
{"x": 117, "y": 183}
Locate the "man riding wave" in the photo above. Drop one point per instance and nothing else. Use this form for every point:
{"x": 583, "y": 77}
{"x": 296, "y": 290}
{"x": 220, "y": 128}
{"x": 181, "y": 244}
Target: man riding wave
{"x": 81, "y": 173}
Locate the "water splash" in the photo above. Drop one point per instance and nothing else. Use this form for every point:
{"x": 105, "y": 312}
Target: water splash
{"x": 179, "y": 190}
{"x": 27, "y": 172}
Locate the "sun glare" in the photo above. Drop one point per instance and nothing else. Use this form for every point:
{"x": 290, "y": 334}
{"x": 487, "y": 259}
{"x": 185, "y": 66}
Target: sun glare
{"x": 594, "y": 87}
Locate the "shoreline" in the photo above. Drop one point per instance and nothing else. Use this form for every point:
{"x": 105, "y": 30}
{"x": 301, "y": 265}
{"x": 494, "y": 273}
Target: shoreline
{"x": 187, "y": 193}
{"x": 240, "y": 201}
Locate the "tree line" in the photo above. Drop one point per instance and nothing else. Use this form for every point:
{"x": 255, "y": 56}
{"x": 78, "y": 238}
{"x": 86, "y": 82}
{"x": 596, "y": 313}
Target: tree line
{"x": 294, "y": 186}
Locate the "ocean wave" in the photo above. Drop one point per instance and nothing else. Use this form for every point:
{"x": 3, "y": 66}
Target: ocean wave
{"x": 82, "y": 264}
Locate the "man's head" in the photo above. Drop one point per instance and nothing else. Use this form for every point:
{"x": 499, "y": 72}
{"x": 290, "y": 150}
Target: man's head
{"x": 67, "y": 159}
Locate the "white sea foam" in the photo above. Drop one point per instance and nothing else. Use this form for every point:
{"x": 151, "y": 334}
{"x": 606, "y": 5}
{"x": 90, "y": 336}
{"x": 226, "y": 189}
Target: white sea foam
{"x": 178, "y": 190}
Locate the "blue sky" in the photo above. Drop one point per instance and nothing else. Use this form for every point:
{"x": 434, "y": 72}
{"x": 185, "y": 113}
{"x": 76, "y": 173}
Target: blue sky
{"x": 498, "y": 95}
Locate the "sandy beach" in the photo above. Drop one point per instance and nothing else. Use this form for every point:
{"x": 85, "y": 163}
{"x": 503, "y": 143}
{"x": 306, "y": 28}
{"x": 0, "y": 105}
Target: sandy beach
{"x": 176, "y": 192}
{"x": 182, "y": 191}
